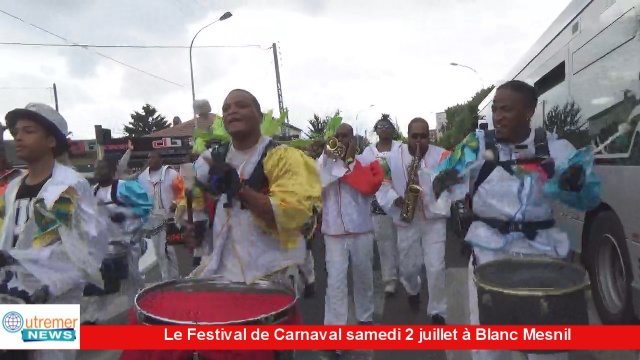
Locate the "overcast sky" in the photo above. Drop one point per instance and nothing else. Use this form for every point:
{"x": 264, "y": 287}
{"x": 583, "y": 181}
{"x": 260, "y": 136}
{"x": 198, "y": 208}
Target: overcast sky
{"x": 334, "y": 54}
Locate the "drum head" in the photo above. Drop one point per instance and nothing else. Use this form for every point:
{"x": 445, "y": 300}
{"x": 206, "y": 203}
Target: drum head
{"x": 528, "y": 276}
{"x": 214, "y": 301}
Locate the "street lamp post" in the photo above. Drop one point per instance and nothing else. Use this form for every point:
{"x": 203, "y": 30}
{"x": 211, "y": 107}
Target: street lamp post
{"x": 470, "y": 68}
{"x": 224, "y": 16}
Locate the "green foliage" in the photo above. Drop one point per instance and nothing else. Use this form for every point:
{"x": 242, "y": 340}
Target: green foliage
{"x": 316, "y": 127}
{"x": 461, "y": 120}
{"x": 322, "y": 128}
{"x": 145, "y": 123}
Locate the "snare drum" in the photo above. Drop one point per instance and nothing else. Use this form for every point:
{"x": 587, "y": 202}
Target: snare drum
{"x": 531, "y": 291}
{"x": 215, "y": 301}
{"x": 114, "y": 270}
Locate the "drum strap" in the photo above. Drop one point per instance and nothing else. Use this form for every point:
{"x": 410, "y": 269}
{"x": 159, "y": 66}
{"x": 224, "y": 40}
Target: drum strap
{"x": 257, "y": 180}
{"x": 541, "y": 150}
{"x": 529, "y": 229}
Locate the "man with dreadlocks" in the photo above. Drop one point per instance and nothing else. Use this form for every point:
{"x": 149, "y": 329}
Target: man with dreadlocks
{"x": 512, "y": 218}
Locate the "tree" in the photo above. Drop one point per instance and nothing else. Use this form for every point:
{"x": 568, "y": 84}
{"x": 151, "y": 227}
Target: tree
{"x": 316, "y": 127}
{"x": 565, "y": 119}
{"x": 461, "y": 120}
{"x": 145, "y": 123}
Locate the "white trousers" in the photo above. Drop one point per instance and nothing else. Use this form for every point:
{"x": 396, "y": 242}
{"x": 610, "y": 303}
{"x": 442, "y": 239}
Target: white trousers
{"x": 168, "y": 264}
{"x": 484, "y": 256}
{"x": 307, "y": 268}
{"x": 387, "y": 239}
{"x": 358, "y": 247}
{"x": 423, "y": 242}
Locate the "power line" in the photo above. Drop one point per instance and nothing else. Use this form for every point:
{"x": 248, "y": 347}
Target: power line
{"x": 128, "y": 46}
{"x": 99, "y": 54}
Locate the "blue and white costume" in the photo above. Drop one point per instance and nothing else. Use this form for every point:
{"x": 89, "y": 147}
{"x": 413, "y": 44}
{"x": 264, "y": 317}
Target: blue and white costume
{"x": 130, "y": 201}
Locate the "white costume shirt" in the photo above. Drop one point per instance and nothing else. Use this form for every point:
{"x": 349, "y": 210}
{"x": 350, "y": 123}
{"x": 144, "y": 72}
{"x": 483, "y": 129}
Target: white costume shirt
{"x": 517, "y": 198}
{"x": 398, "y": 162}
{"x": 345, "y": 211}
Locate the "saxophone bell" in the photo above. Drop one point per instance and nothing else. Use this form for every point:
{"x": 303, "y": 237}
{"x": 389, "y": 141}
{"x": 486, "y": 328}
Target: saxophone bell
{"x": 411, "y": 198}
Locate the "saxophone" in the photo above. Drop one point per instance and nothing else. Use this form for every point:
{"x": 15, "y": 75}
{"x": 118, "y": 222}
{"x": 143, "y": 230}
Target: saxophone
{"x": 413, "y": 190}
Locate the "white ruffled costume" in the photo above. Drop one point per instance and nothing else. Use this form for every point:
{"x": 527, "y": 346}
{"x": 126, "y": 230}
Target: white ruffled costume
{"x": 66, "y": 257}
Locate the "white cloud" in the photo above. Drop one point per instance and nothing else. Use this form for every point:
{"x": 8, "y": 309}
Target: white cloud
{"x": 334, "y": 54}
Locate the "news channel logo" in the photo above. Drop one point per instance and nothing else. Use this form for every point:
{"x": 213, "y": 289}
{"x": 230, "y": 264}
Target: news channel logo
{"x": 33, "y": 326}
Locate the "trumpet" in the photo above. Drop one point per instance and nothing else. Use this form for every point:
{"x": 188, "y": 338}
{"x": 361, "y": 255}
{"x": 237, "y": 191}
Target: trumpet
{"x": 336, "y": 148}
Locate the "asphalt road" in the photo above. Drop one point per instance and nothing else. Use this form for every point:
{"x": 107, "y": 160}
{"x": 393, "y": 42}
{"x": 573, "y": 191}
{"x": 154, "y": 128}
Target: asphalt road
{"x": 392, "y": 310}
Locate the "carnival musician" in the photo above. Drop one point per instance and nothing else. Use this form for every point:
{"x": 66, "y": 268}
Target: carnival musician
{"x": 127, "y": 205}
{"x": 421, "y": 231}
{"x": 165, "y": 186}
{"x": 202, "y": 239}
{"x": 512, "y": 217}
{"x": 349, "y": 183}
{"x": 311, "y": 231}
{"x": 51, "y": 239}
{"x": 384, "y": 228}
{"x": 266, "y": 194}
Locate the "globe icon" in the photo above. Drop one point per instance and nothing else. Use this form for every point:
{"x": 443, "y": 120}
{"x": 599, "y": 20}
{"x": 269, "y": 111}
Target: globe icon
{"x": 12, "y": 322}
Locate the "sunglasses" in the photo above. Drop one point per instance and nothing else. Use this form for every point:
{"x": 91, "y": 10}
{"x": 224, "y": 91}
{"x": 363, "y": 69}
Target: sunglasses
{"x": 419, "y": 136}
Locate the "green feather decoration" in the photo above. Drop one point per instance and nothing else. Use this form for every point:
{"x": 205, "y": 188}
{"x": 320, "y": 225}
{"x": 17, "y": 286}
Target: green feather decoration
{"x": 270, "y": 126}
{"x": 218, "y": 132}
{"x": 332, "y": 126}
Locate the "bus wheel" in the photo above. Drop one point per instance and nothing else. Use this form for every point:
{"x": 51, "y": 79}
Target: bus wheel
{"x": 609, "y": 270}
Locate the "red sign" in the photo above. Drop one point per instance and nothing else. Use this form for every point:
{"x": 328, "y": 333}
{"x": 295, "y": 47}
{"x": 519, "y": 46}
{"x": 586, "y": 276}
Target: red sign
{"x": 166, "y": 143}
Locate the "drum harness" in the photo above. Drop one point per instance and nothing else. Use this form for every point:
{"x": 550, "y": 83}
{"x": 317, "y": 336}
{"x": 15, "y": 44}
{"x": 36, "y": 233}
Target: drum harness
{"x": 529, "y": 229}
{"x": 257, "y": 180}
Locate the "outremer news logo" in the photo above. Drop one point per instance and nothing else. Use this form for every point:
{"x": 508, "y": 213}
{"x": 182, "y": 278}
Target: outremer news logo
{"x": 27, "y": 327}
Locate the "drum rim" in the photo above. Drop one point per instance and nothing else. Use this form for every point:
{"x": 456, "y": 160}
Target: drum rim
{"x": 142, "y": 314}
{"x": 532, "y": 292}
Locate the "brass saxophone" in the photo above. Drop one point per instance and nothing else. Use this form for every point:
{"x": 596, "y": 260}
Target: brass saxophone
{"x": 413, "y": 190}
{"x": 336, "y": 148}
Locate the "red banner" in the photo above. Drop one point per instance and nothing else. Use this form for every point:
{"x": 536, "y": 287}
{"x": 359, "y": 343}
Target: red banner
{"x": 382, "y": 337}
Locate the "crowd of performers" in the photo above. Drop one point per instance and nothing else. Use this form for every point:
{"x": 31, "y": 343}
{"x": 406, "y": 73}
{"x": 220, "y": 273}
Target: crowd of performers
{"x": 257, "y": 204}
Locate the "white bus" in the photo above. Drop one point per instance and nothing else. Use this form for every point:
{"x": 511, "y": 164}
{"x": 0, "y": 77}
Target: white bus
{"x": 586, "y": 67}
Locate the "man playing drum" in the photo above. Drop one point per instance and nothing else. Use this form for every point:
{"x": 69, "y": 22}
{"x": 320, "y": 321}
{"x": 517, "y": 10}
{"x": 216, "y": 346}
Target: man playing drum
{"x": 164, "y": 185}
{"x": 266, "y": 195}
{"x": 51, "y": 242}
{"x": 127, "y": 205}
{"x": 512, "y": 218}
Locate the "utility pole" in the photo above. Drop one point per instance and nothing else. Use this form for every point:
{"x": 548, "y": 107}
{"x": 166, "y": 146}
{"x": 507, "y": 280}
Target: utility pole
{"x": 55, "y": 95}
{"x": 279, "y": 87}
